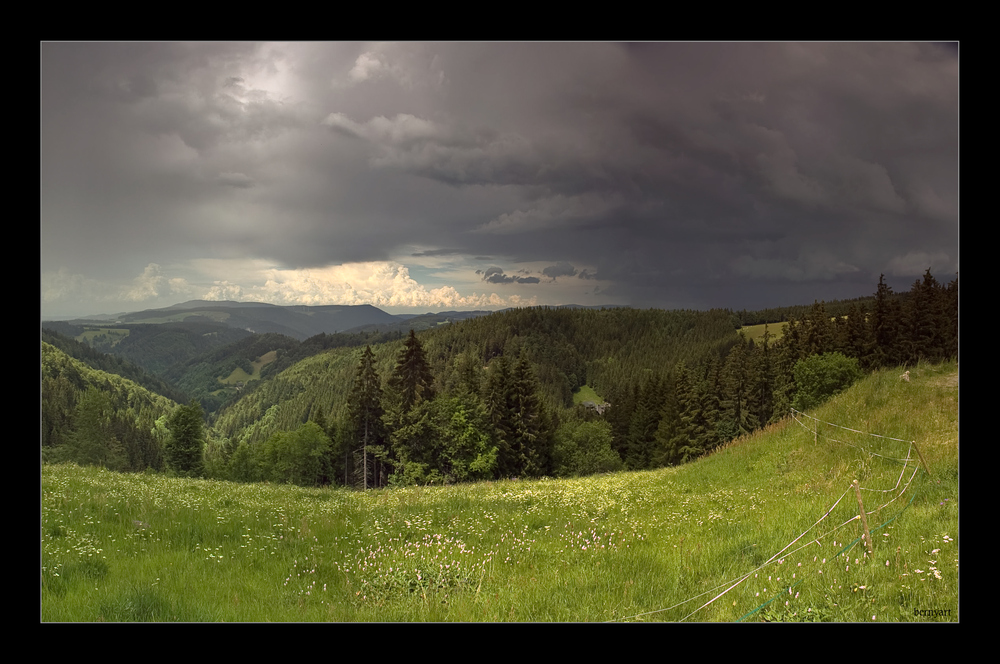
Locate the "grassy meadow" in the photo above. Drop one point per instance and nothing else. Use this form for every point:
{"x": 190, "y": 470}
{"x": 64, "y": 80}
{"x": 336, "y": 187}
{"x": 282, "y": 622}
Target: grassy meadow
{"x": 239, "y": 375}
{"x": 756, "y": 332}
{"x": 115, "y": 334}
{"x": 586, "y": 393}
{"x": 765, "y": 529}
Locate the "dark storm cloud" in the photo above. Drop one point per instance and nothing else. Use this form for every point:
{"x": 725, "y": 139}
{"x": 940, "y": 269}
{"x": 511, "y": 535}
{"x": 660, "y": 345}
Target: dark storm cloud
{"x": 676, "y": 174}
{"x": 438, "y": 252}
{"x": 730, "y": 162}
{"x": 562, "y": 269}
{"x": 495, "y": 275}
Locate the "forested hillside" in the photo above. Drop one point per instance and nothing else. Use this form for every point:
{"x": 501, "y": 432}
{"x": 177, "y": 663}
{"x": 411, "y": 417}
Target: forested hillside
{"x": 222, "y": 373}
{"x": 493, "y": 396}
{"x": 496, "y": 392}
{"x": 509, "y": 377}
{"x": 113, "y": 365}
{"x": 157, "y": 347}
{"x": 94, "y": 417}
{"x": 297, "y": 321}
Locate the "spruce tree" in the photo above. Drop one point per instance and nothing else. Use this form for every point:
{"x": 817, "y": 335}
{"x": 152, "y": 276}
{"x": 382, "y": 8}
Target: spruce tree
{"x": 623, "y": 405}
{"x": 668, "y": 431}
{"x": 951, "y": 333}
{"x": 918, "y": 322}
{"x": 682, "y": 446}
{"x": 926, "y": 320}
{"x": 707, "y": 394}
{"x": 885, "y": 326}
{"x": 793, "y": 341}
{"x": 365, "y": 413}
{"x": 819, "y": 332}
{"x": 185, "y": 444}
{"x": 531, "y": 439}
{"x": 412, "y": 380}
{"x": 499, "y": 402}
{"x": 734, "y": 413}
{"x": 783, "y": 357}
{"x": 93, "y": 441}
{"x": 858, "y": 342}
{"x": 467, "y": 373}
{"x": 760, "y": 401}
{"x": 644, "y": 423}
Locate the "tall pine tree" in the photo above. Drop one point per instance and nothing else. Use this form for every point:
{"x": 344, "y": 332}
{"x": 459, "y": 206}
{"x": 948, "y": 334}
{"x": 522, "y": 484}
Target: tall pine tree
{"x": 499, "y": 400}
{"x": 532, "y": 431}
{"x": 365, "y": 416}
{"x": 644, "y": 423}
{"x": 760, "y": 402}
{"x": 409, "y": 415}
{"x": 412, "y": 380}
{"x": 885, "y": 323}
{"x": 734, "y": 413}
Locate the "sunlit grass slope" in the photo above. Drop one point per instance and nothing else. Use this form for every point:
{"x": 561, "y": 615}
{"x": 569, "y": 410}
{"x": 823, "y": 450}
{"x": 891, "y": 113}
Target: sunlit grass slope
{"x": 756, "y": 332}
{"x": 747, "y": 533}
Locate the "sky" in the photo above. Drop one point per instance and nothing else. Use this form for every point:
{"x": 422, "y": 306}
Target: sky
{"x": 425, "y": 176}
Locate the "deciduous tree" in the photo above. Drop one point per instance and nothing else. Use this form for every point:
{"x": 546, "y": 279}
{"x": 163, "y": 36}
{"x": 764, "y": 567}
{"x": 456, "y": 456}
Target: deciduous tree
{"x": 819, "y": 377}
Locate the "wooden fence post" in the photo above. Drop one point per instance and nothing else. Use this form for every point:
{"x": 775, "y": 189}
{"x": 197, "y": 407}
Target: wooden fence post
{"x": 914, "y": 443}
{"x": 864, "y": 518}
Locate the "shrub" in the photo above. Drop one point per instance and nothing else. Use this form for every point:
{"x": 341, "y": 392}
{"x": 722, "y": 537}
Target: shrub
{"x": 819, "y": 377}
{"x": 585, "y": 448}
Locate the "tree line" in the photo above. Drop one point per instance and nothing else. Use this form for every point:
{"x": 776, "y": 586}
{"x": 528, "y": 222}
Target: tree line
{"x": 486, "y": 398}
{"x": 672, "y": 419}
{"x": 492, "y": 397}
{"x": 400, "y": 430}
{"x": 471, "y": 406}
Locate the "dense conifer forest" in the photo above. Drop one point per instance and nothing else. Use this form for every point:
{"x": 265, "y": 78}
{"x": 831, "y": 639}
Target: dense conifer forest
{"x": 483, "y": 398}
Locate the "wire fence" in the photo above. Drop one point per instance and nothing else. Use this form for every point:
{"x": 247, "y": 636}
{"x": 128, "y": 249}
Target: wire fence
{"x": 797, "y": 414}
{"x": 784, "y": 553}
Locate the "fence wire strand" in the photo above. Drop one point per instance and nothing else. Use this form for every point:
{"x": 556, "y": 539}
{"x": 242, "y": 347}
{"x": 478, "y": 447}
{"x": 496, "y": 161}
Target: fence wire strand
{"x": 733, "y": 583}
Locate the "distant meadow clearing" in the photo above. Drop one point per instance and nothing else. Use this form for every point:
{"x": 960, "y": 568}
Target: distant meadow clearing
{"x": 766, "y": 529}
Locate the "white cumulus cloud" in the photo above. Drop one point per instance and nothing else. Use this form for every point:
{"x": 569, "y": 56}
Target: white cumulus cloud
{"x": 378, "y": 283}
{"x": 152, "y": 284}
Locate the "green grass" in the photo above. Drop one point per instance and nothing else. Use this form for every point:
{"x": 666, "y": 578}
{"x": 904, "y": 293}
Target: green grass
{"x": 648, "y": 546}
{"x": 586, "y": 393}
{"x": 113, "y": 333}
{"x": 239, "y": 375}
{"x": 756, "y": 332}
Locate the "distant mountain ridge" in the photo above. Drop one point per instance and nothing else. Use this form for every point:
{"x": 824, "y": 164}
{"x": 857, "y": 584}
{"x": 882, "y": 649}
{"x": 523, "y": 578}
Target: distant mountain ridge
{"x": 297, "y": 321}
{"x": 195, "y": 304}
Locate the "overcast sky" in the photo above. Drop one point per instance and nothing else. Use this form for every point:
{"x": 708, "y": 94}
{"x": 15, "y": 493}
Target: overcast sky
{"x": 437, "y": 176}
